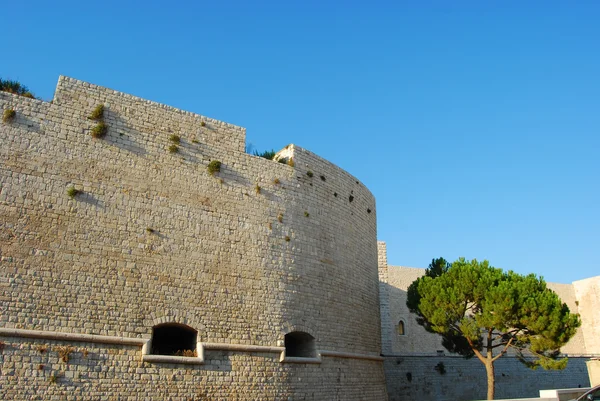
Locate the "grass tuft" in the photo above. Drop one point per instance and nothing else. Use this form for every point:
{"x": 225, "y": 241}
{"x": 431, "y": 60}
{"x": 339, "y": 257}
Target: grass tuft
{"x": 99, "y": 130}
{"x": 8, "y": 115}
{"x": 72, "y": 192}
{"x": 214, "y": 167}
{"x": 97, "y": 113}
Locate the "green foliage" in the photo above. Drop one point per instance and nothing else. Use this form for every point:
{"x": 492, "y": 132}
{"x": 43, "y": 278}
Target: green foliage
{"x": 97, "y": 113}
{"x": 436, "y": 268}
{"x": 99, "y": 130}
{"x": 175, "y": 138}
{"x": 306, "y": 214}
{"x": 214, "y": 167}
{"x": 173, "y": 148}
{"x": 267, "y": 154}
{"x": 72, "y": 192}
{"x": 287, "y": 238}
{"x": 309, "y": 173}
{"x": 202, "y": 124}
{"x": 8, "y": 115}
{"x": 257, "y": 188}
{"x": 481, "y": 310}
{"x": 15, "y": 87}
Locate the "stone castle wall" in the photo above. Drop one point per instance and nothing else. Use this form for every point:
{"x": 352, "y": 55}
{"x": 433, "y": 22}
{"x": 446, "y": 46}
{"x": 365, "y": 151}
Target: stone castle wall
{"x": 465, "y": 379}
{"x": 587, "y": 293}
{"x": 418, "y": 352}
{"x": 259, "y": 250}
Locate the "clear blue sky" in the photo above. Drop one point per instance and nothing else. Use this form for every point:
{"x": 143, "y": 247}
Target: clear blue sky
{"x": 476, "y": 125}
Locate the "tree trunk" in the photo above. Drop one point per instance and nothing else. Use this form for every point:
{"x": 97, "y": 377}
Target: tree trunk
{"x": 489, "y": 368}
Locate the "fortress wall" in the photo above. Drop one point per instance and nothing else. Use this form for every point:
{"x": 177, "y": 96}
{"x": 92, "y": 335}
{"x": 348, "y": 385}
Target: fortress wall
{"x": 99, "y": 372}
{"x": 416, "y": 338}
{"x": 566, "y": 292}
{"x": 153, "y": 238}
{"x": 143, "y": 120}
{"x": 414, "y": 354}
{"x": 588, "y": 296}
{"x": 387, "y": 327}
{"x": 465, "y": 380}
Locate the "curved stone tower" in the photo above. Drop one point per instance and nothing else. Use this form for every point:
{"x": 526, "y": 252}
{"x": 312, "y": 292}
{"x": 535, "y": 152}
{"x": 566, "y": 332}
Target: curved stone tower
{"x": 129, "y": 271}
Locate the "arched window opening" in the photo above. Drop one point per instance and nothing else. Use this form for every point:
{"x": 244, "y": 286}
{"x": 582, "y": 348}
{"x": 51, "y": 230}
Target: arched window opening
{"x": 401, "y": 328}
{"x": 300, "y": 344}
{"x": 174, "y": 339}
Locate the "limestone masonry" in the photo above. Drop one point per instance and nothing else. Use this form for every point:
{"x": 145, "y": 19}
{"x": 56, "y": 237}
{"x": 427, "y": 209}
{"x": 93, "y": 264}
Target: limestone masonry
{"x": 153, "y": 240}
{"x": 128, "y": 271}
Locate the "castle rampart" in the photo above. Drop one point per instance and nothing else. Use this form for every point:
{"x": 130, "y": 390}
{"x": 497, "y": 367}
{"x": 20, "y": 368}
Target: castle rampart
{"x": 413, "y": 355}
{"x": 149, "y": 239}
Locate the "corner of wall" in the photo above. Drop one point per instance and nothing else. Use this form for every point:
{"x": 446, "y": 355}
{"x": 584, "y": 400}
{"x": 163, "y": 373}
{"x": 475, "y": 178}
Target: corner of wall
{"x": 384, "y": 299}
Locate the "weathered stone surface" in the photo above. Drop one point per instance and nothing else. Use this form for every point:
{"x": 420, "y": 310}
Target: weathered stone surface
{"x": 153, "y": 238}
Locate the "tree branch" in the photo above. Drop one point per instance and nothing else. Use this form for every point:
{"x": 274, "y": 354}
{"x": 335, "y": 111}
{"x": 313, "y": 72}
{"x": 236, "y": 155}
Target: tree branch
{"x": 475, "y": 350}
{"x": 503, "y": 351}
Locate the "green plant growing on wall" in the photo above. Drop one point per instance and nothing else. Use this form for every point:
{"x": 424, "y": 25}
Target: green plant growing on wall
{"x": 175, "y": 139}
{"x": 287, "y": 238}
{"x": 214, "y": 167}
{"x": 16, "y": 88}
{"x": 173, "y": 148}
{"x": 276, "y": 181}
{"x": 100, "y": 130}
{"x": 280, "y": 217}
{"x": 202, "y": 124}
{"x": 52, "y": 379}
{"x": 257, "y": 188}
{"x": 149, "y": 230}
{"x": 267, "y": 154}
{"x": 483, "y": 311}
{"x": 306, "y": 214}
{"x": 8, "y": 115}
{"x": 309, "y": 173}
{"x": 72, "y": 192}
{"x": 97, "y": 113}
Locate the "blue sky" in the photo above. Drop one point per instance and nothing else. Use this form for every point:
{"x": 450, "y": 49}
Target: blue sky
{"x": 475, "y": 125}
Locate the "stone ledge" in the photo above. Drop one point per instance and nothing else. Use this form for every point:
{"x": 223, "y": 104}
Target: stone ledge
{"x": 56, "y": 335}
{"x": 188, "y": 360}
